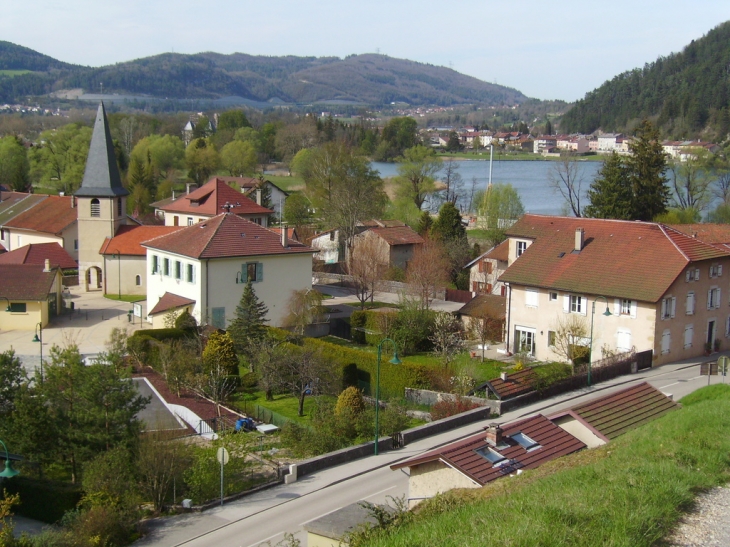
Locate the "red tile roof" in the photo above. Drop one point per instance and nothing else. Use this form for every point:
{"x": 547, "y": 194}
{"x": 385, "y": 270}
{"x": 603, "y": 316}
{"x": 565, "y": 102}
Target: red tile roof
{"x": 709, "y": 233}
{"x": 52, "y": 215}
{"x": 553, "y": 442}
{"x": 37, "y": 253}
{"x": 490, "y": 305}
{"x": 617, "y": 413}
{"x": 618, "y": 259}
{"x": 398, "y": 235}
{"x": 170, "y": 301}
{"x": 26, "y": 282}
{"x": 129, "y": 238}
{"x": 500, "y": 252}
{"x": 210, "y": 198}
{"x": 225, "y": 236}
{"x": 517, "y": 383}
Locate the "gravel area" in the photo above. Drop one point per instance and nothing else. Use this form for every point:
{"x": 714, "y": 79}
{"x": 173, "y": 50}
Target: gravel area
{"x": 708, "y": 524}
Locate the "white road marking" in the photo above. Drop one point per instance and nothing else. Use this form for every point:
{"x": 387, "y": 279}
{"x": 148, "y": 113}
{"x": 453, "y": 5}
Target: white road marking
{"x": 688, "y": 380}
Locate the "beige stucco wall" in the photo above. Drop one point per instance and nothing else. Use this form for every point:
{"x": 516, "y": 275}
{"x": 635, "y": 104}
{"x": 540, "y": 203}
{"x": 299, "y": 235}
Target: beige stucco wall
{"x": 215, "y": 283}
{"x": 36, "y": 312}
{"x": 433, "y": 478}
{"x": 93, "y": 230}
{"x": 475, "y": 276}
{"x": 545, "y": 316}
{"x": 512, "y": 256}
{"x": 121, "y": 274}
{"x": 699, "y": 319}
{"x": 182, "y": 218}
{"x": 579, "y": 431}
{"x": 158, "y": 320}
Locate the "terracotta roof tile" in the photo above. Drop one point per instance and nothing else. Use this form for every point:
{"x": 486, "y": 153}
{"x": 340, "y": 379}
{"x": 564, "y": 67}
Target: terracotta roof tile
{"x": 553, "y": 442}
{"x": 25, "y": 282}
{"x": 398, "y": 235}
{"x": 51, "y": 216}
{"x": 500, "y": 252}
{"x": 618, "y": 259}
{"x": 129, "y": 239}
{"x": 491, "y": 305}
{"x": 709, "y": 233}
{"x": 224, "y": 236}
{"x": 15, "y": 203}
{"x": 37, "y": 253}
{"x": 517, "y": 383}
{"x": 170, "y": 301}
{"x": 210, "y": 198}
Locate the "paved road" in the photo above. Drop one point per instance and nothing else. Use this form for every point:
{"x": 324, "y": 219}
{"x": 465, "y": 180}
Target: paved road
{"x": 266, "y": 516}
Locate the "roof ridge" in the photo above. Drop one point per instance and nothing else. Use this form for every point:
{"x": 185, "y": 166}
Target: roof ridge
{"x": 663, "y": 229}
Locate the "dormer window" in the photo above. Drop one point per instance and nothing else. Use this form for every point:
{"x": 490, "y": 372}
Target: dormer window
{"x": 491, "y": 455}
{"x": 524, "y": 441}
{"x": 95, "y": 208}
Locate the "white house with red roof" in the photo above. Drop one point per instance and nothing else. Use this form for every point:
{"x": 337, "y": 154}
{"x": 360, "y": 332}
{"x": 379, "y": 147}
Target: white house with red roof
{"x": 211, "y": 199}
{"x": 204, "y": 268}
{"x": 665, "y": 291}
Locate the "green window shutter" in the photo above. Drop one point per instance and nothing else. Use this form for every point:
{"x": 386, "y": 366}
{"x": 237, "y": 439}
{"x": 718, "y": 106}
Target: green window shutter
{"x": 244, "y": 273}
{"x": 259, "y": 271}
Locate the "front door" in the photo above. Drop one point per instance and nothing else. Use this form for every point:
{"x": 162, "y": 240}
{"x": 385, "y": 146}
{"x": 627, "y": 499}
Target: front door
{"x": 525, "y": 340}
{"x": 710, "y": 333}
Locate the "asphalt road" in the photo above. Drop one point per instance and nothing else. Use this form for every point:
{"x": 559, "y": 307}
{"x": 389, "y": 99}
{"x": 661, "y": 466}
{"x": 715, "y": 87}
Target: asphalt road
{"x": 268, "y": 515}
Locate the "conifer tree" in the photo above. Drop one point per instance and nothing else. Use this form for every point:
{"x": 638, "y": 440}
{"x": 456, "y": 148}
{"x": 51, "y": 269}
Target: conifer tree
{"x": 610, "y": 193}
{"x": 646, "y": 167}
{"x": 248, "y": 326}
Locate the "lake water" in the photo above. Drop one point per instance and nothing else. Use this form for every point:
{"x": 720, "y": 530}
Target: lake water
{"x": 531, "y": 179}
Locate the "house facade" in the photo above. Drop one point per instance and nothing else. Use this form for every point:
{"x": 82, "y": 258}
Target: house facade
{"x": 208, "y": 264}
{"x": 29, "y": 295}
{"x": 634, "y": 285}
{"x": 395, "y": 240}
{"x": 484, "y": 271}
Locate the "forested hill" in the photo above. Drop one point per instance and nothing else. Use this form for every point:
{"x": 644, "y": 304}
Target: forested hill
{"x": 689, "y": 92}
{"x": 15, "y": 57}
{"x": 370, "y": 79}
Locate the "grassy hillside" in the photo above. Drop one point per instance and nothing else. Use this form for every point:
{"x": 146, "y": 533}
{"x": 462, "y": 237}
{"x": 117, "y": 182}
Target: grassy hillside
{"x": 630, "y": 492}
{"x": 688, "y": 93}
{"x": 367, "y": 79}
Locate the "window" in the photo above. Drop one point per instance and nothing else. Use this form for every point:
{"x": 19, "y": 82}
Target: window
{"x": 138, "y": 280}
{"x": 688, "y": 334}
{"x": 697, "y": 274}
{"x": 485, "y": 266}
{"x": 190, "y": 221}
{"x": 727, "y": 326}
{"x": 576, "y": 304}
{"x": 176, "y": 220}
{"x": 76, "y": 244}
{"x": 525, "y": 340}
{"x": 253, "y": 271}
{"x": 551, "y": 338}
{"x": 666, "y": 341}
{"x": 713, "y": 298}
{"x": 625, "y": 307}
{"x": 257, "y": 220}
{"x": 531, "y": 298}
{"x": 492, "y": 456}
{"x": 521, "y": 247}
{"x": 155, "y": 264}
{"x": 623, "y": 340}
{"x": 190, "y": 273}
{"x": 219, "y": 317}
{"x": 95, "y": 208}
{"x": 716, "y": 270}
{"x": 690, "y": 303}
{"x": 17, "y": 307}
{"x": 524, "y": 441}
{"x": 166, "y": 266}
{"x": 119, "y": 206}
{"x": 332, "y": 236}
{"x": 553, "y": 297}
{"x": 669, "y": 307}
{"x": 483, "y": 288}
{"x": 178, "y": 269}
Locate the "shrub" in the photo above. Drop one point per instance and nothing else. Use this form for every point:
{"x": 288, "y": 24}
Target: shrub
{"x": 350, "y": 400}
{"x": 42, "y": 499}
{"x": 551, "y": 373}
{"x": 357, "y": 326}
{"x": 451, "y": 407}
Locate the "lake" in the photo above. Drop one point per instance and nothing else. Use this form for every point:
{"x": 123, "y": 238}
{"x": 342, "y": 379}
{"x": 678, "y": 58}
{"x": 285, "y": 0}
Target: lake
{"x": 531, "y": 179}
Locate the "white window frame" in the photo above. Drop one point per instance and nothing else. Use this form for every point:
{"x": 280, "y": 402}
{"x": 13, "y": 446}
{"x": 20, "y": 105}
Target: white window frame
{"x": 690, "y": 303}
{"x": 529, "y": 333}
{"x": 688, "y": 335}
{"x": 627, "y": 333}
{"x": 577, "y": 304}
{"x": 190, "y": 273}
{"x": 553, "y": 296}
{"x": 669, "y": 307}
{"x": 666, "y": 342}
{"x": 532, "y": 297}
{"x": 713, "y": 298}
{"x": 521, "y": 247}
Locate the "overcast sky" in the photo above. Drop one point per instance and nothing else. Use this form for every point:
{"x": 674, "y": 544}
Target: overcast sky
{"x": 546, "y": 50}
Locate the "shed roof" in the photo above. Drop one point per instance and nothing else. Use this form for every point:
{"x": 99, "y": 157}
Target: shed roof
{"x": 15, "y": 203}
{"x": 397, "y": 235}
{"x": 517, "y": 383}
{"x": 489, "y": 305}
{"x": 26, "y": 282}
{"x": 51, "y": 215}
{"x": 170, "y": 301}
{"x": 37, "y": 253}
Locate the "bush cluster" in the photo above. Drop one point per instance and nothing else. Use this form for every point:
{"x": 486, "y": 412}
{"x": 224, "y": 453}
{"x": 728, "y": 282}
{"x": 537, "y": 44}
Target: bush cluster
{"x": 451, "y": 407}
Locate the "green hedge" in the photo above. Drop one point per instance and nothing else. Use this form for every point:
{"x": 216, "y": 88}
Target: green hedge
{"x": 43, "y": 500}
{"x": 162, "y": 334}
{"x": 357, "y": 326}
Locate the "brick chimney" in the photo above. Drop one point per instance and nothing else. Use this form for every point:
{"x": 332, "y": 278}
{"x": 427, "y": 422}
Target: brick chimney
{"x": 494, "y": 435}
{"x": 47, "y": 265}
{"x": 579, "y": 235}
{"x": 284, "y": 236}
{"x": 258, "y": 196}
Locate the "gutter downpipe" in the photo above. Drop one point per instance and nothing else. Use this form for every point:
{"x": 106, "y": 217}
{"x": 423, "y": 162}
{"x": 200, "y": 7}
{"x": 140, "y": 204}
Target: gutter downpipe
{"x": 207, "y": 260}
{"x": 509, "y": 317}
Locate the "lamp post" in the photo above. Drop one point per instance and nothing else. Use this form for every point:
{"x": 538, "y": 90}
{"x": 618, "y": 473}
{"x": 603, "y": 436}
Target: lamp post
{"x": 8, "y": 301}
{"x": 118, "y": 256}
{"x": 394, "y": 361}
{"x": 8, "y": 471}
{"x": 607, "y": 313}
{"x": 39, "y": 338}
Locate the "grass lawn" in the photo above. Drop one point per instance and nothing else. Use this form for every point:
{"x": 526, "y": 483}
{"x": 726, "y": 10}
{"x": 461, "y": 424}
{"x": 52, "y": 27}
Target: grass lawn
{"x": 126, "y": 297}
{"x": 12, "y": 73}
{"x": 287, "y": 183}
{"x": 286, "y": 405}
{"x": 630, "y": 492}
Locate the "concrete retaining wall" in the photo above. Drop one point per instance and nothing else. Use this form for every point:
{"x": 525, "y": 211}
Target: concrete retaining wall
{"x": 341, "y": 456}
{"x": 430, "y": 398}
{"x": 383, "y": 286}
{"x": 426, "y": 430}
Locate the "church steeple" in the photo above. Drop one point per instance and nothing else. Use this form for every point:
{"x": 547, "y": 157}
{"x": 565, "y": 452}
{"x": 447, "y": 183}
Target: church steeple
{"x": 101, "y": 177}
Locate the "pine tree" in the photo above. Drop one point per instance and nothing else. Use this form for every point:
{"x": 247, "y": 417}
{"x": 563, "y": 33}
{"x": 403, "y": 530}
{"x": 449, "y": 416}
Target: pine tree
{"x": 646, "y": 168}
{"x": 248, "y": 326}
{"x": 610, "y": 193}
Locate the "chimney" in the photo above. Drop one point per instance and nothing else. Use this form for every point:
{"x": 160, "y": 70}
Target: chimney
{"x": 579, "y": 239}
{"x": 47, "y": 265}
{"x": 284, "y": 236}
{"x": 61, "y": 194}
{"x": 258, "y": 196}
{"x": 187, "y": 188}
{"x": 73, "y": 202}
{"x": 503, "y": 376}
{"x": 494, "y": 435}
{"x": 173, "y": 195}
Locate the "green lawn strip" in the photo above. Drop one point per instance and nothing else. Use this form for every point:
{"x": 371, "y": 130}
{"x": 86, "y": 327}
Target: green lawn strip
{"x": 286, "y": 405}
{"x": 286, "y": 183}
{"x": 125, "y": 297}
{"x": 630, "y": 492}
{"x": 11, "y": 73}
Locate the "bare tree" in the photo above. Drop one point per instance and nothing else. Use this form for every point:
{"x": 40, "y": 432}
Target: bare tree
{"x": 567, "y": 178}
{"x": 447, "y": 337}
{"x": 366, "y": 264}
{"x": 161, "y": 460}
{"x": 428, "y": 270}
{"x": 485, "y": 328}
{"x": 453, "y": 181}
{"x": 570, "y": 332}
{"x": 691, "y": 181}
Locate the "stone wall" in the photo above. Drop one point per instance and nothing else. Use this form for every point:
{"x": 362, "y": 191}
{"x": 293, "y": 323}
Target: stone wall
{"x": 430, "y": 398}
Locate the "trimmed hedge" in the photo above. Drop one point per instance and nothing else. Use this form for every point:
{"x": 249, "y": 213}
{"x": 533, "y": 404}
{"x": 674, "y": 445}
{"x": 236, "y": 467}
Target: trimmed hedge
{"x": 43, "y": 500}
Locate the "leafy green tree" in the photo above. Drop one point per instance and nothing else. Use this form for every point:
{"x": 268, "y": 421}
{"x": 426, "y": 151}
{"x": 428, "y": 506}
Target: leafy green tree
{"x": 165, "y": 153}
{"x": 679, "y": 216}
{"x": 61, "y": 157}
{"x": 299, "y": 165}
{"x": 249, "y": 325}
{"x": 202, "y": 160}
{"x": 161, "y": 461}
{"x": 498, "y": 207}
{"x": 548, "y": 127}
{"x": 297, "y": 210}
{"x": 692, "y": 180}
{"x": 232, "y": 119}
{"x": 239, "y": 158}
{"x": 450, "y": 232}
{"x": 14, "y": 164}
{"x": 610, "y": 193}
{"x": 646, "y": 167}
{"x": 219, "y": 364}
{"x": 425, "y": 222}
{"x": 454, "y": 144}
{"x": 12, "y": 377}
{"x": 399, "y": 134}
{"x": 416, "y": 174}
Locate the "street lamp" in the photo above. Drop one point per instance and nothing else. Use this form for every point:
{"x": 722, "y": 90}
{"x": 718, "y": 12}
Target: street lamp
{"x": 607, "y": 313}
{"x": 8, "y": 471}
{"x": 8, "y": 301}
{"x": 39, "y": 338}
{"x": 118, "y": 256}
{"x": 394, "y": 361}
